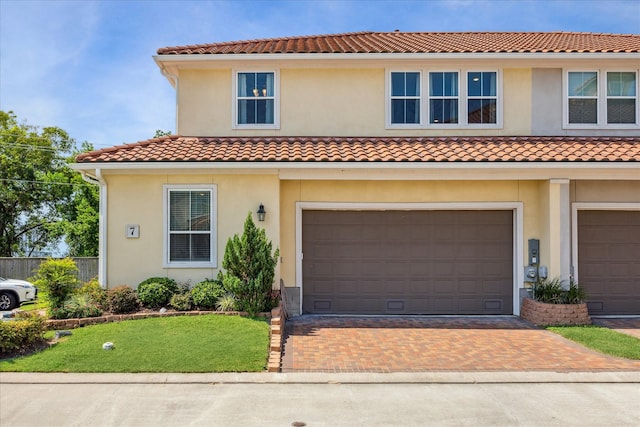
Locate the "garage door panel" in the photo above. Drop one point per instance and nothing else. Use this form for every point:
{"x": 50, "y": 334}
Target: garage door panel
{"x": 623, "y": 252}
{"x": 608, "y": 254}
{"x": 425, "y": 261}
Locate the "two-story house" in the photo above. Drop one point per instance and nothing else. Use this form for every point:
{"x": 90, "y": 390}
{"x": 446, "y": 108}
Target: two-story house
{"x": 400, "y": 173}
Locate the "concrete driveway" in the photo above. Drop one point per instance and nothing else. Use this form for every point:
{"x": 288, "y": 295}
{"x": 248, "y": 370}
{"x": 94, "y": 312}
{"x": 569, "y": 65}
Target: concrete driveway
{"x": 422, "y": 343}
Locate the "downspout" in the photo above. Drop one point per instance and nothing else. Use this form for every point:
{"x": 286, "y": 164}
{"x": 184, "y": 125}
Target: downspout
{"x": 102, "y": 224}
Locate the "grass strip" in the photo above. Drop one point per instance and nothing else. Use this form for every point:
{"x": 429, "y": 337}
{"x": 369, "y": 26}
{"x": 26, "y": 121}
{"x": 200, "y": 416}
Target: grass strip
{"x": 601, "y": 339}
{"x": 206, "y": 343}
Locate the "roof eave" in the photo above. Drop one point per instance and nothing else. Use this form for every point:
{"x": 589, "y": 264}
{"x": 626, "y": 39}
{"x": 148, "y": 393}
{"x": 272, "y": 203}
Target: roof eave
{"x": 191, "y": 58}
{"x": 386, "y": 170}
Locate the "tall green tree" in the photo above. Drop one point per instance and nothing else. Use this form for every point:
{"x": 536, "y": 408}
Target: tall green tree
{"x": 250, "y": 267}
{"x": 41, "y": 198}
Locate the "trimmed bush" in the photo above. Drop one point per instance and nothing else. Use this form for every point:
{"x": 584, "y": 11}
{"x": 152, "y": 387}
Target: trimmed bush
{"x": 26, "y": 329}
{"x": 154, "y": 295}
{"x": 169, "y": 283}
{"x": 206, "y": 293}
{"x": 78, "y": 306}
{"x": 122, "y": 299}
{"x": 58, "y": 278}
{"x": 96, "y": 293}
{"x": 181, "y": 302}
{"x": 226, "y": 302}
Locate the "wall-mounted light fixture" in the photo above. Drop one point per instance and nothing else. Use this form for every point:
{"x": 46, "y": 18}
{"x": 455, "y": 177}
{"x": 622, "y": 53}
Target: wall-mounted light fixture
{"x": 261, "y": 212}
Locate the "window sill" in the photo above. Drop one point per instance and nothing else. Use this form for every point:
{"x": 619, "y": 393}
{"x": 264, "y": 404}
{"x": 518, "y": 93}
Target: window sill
{"x": 255, "y": 127}
{"x": 189, "y": 265}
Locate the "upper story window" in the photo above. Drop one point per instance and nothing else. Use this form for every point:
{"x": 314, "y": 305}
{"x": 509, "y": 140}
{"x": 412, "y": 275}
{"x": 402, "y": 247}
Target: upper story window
{"x": 482, "y": 97}
{"x": 599, "y": 98}
{"x": 405, "y": 97}
{"x": 256, "y": 100}
{"x": 456, "y": 99}
{"x": 444, "y": 102}
{"x": 621, "y": 97}
{"x": 189, "y": 218}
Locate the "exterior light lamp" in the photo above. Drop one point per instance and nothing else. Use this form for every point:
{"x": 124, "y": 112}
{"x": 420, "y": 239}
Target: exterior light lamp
{"x": 261, "y": 212}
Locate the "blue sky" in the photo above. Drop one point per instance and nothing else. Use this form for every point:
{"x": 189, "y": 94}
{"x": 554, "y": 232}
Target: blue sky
{"x": 87, "y": 67}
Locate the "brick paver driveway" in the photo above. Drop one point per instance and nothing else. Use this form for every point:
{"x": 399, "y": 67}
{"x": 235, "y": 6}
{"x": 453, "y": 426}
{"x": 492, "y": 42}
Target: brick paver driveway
{"x": 405, "y": 344}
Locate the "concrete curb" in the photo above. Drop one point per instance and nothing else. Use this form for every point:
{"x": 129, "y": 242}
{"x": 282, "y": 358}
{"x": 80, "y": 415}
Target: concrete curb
{"x": 326, "y": 378}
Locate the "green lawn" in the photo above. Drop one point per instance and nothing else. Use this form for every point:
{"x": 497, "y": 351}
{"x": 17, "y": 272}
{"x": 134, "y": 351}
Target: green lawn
{"x": 207, "y": 343}
{"x": 602, "y": 339}
{"x": 42, "y": 303}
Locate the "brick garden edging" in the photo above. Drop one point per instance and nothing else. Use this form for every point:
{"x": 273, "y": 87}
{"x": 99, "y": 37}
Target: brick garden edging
{"x": 275, "y": 339}
{"x": 544, "y": 314}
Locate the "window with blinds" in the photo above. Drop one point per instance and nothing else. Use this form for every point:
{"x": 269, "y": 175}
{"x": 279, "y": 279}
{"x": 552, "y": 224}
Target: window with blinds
{"x": 190, "y": 226}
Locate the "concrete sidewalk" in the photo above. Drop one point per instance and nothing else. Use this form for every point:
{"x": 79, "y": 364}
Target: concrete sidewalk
{"x": 476, "y": 377}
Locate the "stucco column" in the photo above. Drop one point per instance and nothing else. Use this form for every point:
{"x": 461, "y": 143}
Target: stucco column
{"x": 559, "y": 230}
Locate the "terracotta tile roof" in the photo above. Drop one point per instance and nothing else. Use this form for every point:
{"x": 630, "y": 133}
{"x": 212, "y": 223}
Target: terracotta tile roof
{"x": 427, "y": 42}
{"x": 372, "y": 149}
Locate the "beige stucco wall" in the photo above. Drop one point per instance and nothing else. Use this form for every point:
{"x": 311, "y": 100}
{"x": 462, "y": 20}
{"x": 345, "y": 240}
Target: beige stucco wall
{"x": 138, "y": 199}
{"x": 554, "y": 225}
{"x": 329, "y": 102}
{"x": 606, "y": 191}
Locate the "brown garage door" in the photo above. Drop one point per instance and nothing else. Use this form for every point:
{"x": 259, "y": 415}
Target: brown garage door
{"x": 609, "y": 260}
{"x": 407, "y": 262}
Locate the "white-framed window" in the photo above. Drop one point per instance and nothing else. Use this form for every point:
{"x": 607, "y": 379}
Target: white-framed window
{"x": 406, "y": 97}
{"x": 455, "y": 99}
{"x": 482, "y": 97}
{"x": 189, "y": 216}
{"x": 256, "y": 99}
{"x": 600, "y": 99}
{"x": 444, "y": 98}
{"x": 622, "y": 98}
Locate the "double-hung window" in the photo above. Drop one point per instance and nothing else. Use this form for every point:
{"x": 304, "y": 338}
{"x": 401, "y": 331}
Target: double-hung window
{"x": 482, "y": 98}
{"x": 601, "y": 98}
{"x": 405, "y": 98}
{"x": 444, "y": 103}
{"x": 583, "y": 97}
{"x": 256, "y": 100}
{"x": 453, "y": 99}
{"x": 622, "y": 97}
{"x": 189, "y": 219}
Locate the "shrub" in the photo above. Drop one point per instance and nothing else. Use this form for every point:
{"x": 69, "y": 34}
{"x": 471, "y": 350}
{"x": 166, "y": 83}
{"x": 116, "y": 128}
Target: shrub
{"x": 122, "y": 299}
{"x": 79, "y": 305}
{"x": 58, "y": 278}
{"x": 154, "y": 295}
{"x": 250, "y": 268}
{"x": 226, "y": 302}
{"x": 553, "y": 291}
{"x": 96, "y": 293}
{"x": 169, "y": 283}
{"x": 22, "y": 331}
{"x": 206, "y": 293}
{"x": 575, "y": 294}
{"x": 181, "y": 302}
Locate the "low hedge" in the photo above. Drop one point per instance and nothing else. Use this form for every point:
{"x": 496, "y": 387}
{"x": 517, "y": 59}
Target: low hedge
{"x": 18, "y": 333}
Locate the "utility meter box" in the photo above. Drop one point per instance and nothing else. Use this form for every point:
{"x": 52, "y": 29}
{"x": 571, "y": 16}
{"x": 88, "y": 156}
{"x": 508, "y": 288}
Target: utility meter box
{"x": 531, "y": 274}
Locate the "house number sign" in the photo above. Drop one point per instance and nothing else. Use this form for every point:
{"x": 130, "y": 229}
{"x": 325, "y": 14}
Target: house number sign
{"x": 133, "y": 231}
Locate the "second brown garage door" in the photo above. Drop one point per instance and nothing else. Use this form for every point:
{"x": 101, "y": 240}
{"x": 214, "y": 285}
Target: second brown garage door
{"x": 609, "y": 261}
{"x": 407, "y": 262}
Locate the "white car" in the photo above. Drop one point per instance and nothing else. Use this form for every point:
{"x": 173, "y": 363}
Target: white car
{"x": 14, "y": 292}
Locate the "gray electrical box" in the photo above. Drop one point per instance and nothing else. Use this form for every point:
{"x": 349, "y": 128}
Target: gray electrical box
{"x": 534, "y": 252}
{"x": 531, "y": 274}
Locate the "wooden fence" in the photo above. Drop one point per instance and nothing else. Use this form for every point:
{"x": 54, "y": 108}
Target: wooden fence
{"x": 23, "y": 268}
